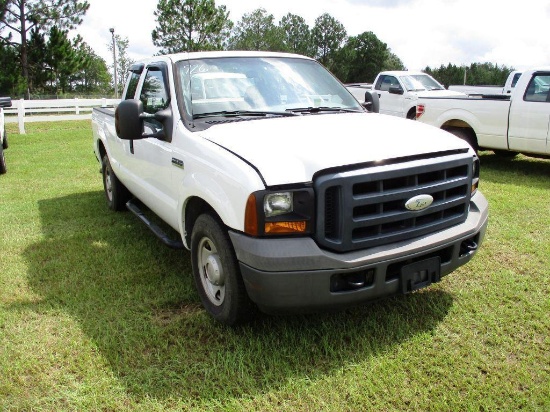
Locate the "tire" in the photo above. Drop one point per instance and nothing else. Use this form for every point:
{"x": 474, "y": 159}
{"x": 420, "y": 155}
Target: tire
{"x": 412, "y": 114}
{"x": 505, "y": 153}
{"x": 116, "y": 193}
{"x": 467, "y": 135}
{"x": 216, "y": 273}
{"x": 3, "y": 167}
{"x": 5, "y": 142}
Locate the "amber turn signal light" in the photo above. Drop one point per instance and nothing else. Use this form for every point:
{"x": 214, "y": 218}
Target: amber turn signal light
{"x": 285, "y": 227}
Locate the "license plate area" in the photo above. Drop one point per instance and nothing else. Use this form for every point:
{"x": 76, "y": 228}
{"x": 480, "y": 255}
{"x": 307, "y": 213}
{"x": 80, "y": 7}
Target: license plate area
{"x": 420, "y": 274}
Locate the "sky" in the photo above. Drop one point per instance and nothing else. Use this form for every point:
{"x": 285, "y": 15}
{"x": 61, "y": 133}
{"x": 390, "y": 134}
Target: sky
{"x": 420, "y": 32}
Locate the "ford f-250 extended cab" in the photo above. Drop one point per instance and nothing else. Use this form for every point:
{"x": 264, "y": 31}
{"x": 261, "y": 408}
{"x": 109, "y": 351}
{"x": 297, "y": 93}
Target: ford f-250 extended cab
{"x": 289, "y": 194}
{"x": 399, "y": 91}
{"x": 505, "y": 124}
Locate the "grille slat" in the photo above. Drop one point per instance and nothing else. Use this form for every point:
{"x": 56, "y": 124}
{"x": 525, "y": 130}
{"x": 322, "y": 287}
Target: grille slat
{"x": 374, "y": 199}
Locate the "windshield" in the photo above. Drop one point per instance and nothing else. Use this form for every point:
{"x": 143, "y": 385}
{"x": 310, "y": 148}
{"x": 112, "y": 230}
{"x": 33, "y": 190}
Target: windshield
{"x": 422, "y": 82}
{"x": 259, "y": 84}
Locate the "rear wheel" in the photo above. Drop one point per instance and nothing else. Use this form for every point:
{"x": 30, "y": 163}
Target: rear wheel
{"x": 115, "y": 192}
{"x": 3, "y": 167}
{"x": 216, "y": 272}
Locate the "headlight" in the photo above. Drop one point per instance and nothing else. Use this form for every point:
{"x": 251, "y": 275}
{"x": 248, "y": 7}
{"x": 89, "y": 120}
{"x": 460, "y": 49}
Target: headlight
{"x": 276, "y": 204}
{"x": 280, "y": 213}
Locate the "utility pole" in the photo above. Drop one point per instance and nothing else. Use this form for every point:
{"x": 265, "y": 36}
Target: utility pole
{"x": 112, "y": 30}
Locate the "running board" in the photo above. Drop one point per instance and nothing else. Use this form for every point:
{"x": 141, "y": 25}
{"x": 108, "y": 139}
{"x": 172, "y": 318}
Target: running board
{"x": 174, "y": 244}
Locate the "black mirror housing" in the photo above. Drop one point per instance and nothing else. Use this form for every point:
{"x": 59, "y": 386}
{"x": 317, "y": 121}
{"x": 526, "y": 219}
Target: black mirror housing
{"x": 128, "y": 121}
{"x": 372, "y": 102}
{"x": 396, "y": 90}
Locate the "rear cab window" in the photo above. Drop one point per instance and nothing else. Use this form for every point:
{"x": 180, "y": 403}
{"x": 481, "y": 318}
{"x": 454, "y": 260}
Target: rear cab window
{"x": 132, "y": 81}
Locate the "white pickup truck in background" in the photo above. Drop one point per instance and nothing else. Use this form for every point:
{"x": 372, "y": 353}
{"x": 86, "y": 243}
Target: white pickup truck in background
{"x": 289, "y": 194}
{"x": 511, "y": 82}
{"x": 517, "y": 124}
{"x": 398, "y": 91}
{"x": 4, "y": 102}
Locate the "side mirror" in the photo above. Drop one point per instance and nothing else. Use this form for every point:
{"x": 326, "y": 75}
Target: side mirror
{"x": 372, "y": 102}
{"x": 129, "y": 118}
{"x": 5, "y": 101}
{"x": 396, "y": 90}
{"x": 128, "y": 123}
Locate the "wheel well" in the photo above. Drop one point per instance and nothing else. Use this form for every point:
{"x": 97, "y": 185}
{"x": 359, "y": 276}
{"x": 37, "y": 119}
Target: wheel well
{"x": 464, "y": 130}
{"x": 412, "y": 113}
{"x": 193, "y": 209}
{"x": 101, "y": 149}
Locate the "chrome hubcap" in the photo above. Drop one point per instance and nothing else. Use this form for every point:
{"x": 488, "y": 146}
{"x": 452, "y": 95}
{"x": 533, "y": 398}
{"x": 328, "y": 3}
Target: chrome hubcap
{"x": 211, "y": 271}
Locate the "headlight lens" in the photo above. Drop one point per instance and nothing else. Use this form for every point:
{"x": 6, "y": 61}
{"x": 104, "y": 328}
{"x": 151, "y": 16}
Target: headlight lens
{"x": 276, "y": 204}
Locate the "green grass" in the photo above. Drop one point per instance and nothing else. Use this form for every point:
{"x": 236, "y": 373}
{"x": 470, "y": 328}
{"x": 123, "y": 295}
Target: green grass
{"x": 95, "y": 314}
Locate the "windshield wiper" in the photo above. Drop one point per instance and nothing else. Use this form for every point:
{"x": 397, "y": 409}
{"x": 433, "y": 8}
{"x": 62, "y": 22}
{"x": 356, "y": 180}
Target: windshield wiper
{"x": 322, "y": 109}
{"x": 237, "y": 113}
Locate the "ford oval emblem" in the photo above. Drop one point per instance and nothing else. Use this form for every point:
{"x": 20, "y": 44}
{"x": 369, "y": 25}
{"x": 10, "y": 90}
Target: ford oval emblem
{"x": 419, "y": 202}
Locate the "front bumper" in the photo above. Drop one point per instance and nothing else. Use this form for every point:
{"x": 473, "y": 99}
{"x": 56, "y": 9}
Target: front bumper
{"x": 294, "y": 274}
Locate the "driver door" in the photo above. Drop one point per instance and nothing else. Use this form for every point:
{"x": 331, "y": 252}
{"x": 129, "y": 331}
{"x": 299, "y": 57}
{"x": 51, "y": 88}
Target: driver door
{"x": 390, "y": 103}
{"x": 152, "y": 157}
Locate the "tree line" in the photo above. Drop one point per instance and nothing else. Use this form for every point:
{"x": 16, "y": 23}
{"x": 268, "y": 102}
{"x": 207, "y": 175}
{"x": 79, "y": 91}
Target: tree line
{"x": 38, "y": 56}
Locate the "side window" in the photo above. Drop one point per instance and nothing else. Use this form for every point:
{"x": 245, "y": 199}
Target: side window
{"x": 378, "y": 85}
{"x": 538, "y": 89}
{"x": 515, "y": 79}
{"x": 153, "y": 92}
{"x": 133, "y": 80}
{"x": 387, "y": 82}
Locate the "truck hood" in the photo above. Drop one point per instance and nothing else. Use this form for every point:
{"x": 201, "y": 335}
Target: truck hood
{"x": 288, "y": 150}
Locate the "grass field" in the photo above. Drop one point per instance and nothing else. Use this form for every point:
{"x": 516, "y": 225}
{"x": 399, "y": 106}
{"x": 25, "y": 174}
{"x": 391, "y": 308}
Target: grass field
{"x": 95, "y": 314}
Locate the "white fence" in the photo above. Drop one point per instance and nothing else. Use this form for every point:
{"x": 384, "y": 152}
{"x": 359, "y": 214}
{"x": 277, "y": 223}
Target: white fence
{"x": 24, "y": 111}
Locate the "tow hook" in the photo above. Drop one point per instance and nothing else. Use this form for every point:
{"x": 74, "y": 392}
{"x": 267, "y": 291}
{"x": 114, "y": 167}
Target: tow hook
{"x": 467, "y": 247}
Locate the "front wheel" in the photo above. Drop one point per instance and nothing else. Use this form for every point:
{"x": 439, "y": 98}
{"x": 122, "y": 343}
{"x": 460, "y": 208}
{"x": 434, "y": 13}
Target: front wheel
{"x": 3, "y": 167}
{"x": 216, "y": 273}
{"x": 465, "y": 134}
{"x": 115, "y": 192}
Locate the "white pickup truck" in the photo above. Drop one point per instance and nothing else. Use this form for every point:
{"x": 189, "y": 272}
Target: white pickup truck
{"x": 289, "y": 194}
{"x": 4, "y": 102}
{"x": 506, "y": 124}
{"x": 398, "y": 91}
{"x": 509, "y": 85}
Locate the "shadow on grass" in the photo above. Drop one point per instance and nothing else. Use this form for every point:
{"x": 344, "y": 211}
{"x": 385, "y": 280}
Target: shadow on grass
{"x": 498, "y": 169}
{"x": 135, "y": 300}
